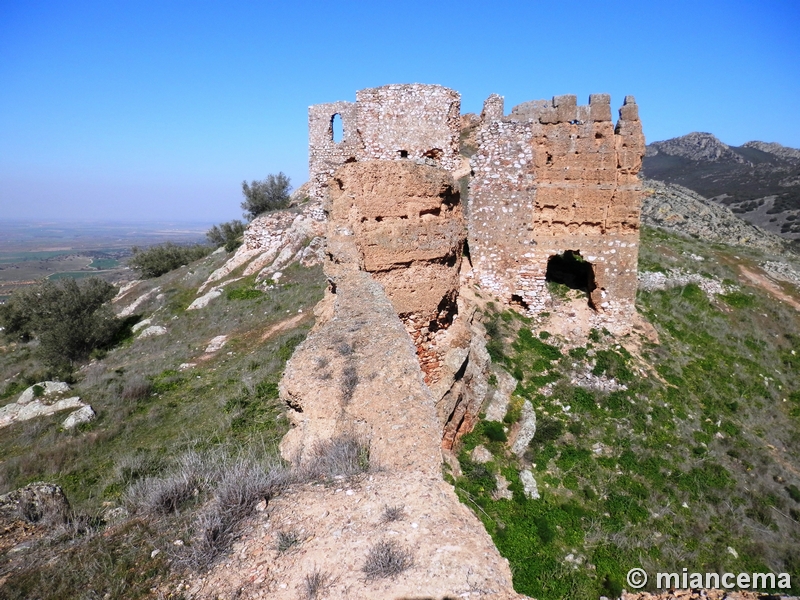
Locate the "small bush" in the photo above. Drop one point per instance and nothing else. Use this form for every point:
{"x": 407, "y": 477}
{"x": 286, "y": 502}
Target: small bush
{"x": 387, "y": 558}
{"x": 162, "y": 496}
{"x": 268, "y": 194}
{"x": 794, "y": 492}
{"x": 349, "y": 383}
{"x": 157, "y": 260}
{"x": 344, "y": 349}
{"x": 393, "y": 513}
{"x": 342, "y": 456}
{"x": 240, "y": 488}
{"x": 287, "y": 539}
{"x": 69, "y": 318}
{"x": 136, "y": 388}
{"x": 316, "y": 582}
{"x": 494, "y": 431}
{"x": 243, "y": 294}
{"x": 227, "y": 234}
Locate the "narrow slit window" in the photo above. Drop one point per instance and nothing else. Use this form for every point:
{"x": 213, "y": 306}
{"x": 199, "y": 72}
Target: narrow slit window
{"x": 337, "y": 129}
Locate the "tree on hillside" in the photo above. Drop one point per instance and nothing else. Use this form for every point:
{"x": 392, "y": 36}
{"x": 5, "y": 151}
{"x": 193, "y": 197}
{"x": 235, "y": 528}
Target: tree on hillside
{"x": 268, "y": 194}
{"x": 69, "y": 318}
{"x": 157, "y": 260}
{"x": 226, "y": 234}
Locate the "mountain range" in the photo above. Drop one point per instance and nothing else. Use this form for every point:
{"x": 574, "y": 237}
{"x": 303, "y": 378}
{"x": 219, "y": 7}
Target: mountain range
{"x": 759, "y": 181}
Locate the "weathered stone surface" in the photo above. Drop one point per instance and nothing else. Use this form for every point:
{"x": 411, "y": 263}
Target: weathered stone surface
{"x": 499, "y": 397}
{"x": 203, "y": 300}
{"x": 402, "y": 222}
{"x": 272, "y": 241}
{"x": 34, "y": 503}
{"x": 216, "y": 343}
{"x": 542, "y": 187}
{"x": 153, "y": 331}
{"x": 48, "y": 388}
{"x": 481, "y": 455}
{"x": 388, "y": 404}
{"x": 128, "y": 310}
{"x": 529, "y": 487}
{"x": 141, "y": 325}
{"x": 526, "y": 429}
{"x": 85, "y": 414}
{"x": 29, "y": 405}
{"x": 676, "y": 208}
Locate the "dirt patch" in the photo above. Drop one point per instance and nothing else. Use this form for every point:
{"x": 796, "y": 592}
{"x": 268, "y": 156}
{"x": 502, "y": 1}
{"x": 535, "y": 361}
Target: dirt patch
{"x": 283, "y": 325}
{"x": 766, "y": 283}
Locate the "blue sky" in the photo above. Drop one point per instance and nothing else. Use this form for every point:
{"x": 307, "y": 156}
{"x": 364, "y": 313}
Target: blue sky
{"x": 158, "y": 110}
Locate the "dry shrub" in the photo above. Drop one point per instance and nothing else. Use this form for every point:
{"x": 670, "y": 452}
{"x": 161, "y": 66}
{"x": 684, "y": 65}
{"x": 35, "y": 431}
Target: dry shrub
{"x": 342, "y": 456}
{"x": 393, "y": 513}
{"x": 240, "y": 488}
{"x": 316, "y": 582}
{"x": 287, "y": 539}
{"x": 136, "y": 388}
{"x": 387, "y": 558}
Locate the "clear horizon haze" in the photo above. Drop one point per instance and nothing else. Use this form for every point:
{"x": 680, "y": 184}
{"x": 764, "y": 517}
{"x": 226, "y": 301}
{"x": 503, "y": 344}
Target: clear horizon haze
{"x": 157, "y": 111}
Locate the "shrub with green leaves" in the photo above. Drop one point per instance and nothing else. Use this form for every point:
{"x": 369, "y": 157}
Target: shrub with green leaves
{"x": 70, "y": 318}
{"x": 157, "y": 260}
{"x": 268, "y": 194}
{"x": 227, "y": 235}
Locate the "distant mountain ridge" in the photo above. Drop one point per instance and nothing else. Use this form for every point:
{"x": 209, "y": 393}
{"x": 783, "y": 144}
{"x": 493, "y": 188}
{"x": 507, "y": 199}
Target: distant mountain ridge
{"x": 759, "y": 181}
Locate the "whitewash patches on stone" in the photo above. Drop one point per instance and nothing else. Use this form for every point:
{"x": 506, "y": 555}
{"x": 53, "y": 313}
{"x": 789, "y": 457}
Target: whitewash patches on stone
{"x": 555, "y": 177}
{"x": 414, "y": 122}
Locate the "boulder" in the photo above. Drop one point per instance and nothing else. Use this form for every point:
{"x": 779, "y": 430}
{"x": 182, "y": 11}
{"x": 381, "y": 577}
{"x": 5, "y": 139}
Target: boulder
{"x": 34, "y": 503}
{"x": 82, "y": 415}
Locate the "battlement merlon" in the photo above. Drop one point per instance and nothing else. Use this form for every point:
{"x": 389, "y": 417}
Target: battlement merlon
{"x": 560, "y": 109}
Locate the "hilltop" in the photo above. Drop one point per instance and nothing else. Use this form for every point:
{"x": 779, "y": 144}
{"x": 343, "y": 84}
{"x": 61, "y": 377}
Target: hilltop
{"x": 758, "y": 181}
{"x": 395, "y": 390}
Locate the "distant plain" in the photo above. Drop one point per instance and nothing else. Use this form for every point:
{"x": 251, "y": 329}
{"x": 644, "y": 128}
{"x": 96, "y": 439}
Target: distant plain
{"x": 30, "y": 251}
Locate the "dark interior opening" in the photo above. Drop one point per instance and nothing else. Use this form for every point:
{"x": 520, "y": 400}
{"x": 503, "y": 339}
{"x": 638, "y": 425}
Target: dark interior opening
{"x": 465, "y": 253}
{"x": 403, "y": 153}
{"x": 573, "y": 271}
{"x": 337, "y": 129}
{"x": 447, "y": 309}
{"x": 516, "y": 300}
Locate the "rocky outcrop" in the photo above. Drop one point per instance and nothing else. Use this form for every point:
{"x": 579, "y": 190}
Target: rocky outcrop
{"x": 357, "y": 374}
{"x": 676, "y": 208}
{"x": 394, "y": 242}
{"x": 34, "y": 503}
{"x": 274, "y": 240}
{"x": 758, "y": 181}
{"x": 774, "y": 148}
{"x": 697, "y": 146}
{"x": 39, "y": 400}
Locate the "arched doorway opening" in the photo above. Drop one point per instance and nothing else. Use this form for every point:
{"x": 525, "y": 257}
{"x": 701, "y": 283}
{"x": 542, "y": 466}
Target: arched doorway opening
{"x": 572, "y": 270}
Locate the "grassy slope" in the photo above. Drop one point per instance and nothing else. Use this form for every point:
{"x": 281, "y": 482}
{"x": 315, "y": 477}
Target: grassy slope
{"x": 700, "y": 454}
{"x": 149, "y": 412}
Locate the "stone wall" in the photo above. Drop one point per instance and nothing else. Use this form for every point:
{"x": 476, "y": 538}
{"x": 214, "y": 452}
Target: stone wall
{"x": 415, "y": 122}
{"x": 554, "y": 177}
{"x": 403, "y": 223}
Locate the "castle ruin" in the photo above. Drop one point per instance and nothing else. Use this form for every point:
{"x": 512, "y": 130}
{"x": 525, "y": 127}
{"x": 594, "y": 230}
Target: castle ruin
{"x": 554, "y": 194}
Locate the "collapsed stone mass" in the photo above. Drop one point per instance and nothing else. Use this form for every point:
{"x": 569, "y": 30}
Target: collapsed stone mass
{"x": 554, "y": 193}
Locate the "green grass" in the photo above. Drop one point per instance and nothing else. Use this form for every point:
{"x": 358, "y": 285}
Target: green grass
{"x": 699, "y": 453}
{"x": 226, "y": 398}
